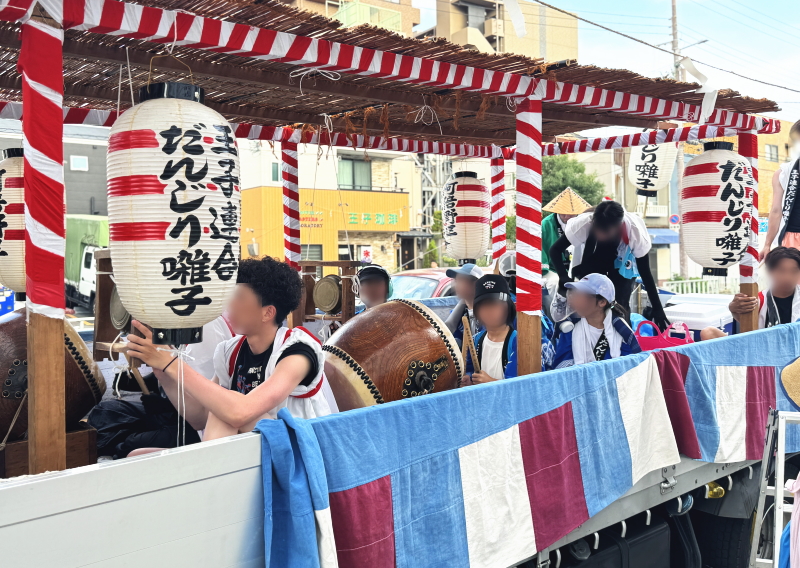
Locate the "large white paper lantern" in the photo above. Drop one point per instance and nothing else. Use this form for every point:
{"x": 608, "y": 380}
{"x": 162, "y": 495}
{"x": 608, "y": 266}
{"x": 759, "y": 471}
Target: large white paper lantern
{"x": 650, "y": 167}
{"x": 466, "y": 217}
{"x": 173, "y": 211}
{"x": 12, "y": 221}
{"x": 716, "y": 207}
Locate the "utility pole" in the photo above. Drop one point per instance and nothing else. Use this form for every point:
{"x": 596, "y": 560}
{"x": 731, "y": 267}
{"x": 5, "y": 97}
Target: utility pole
{"x": 678, "y": 74}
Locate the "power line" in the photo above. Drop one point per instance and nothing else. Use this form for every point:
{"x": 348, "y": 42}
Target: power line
{"x": 748, "y": 24}
{"x": 666, "y": 50}
{"x": 770, "y": 24}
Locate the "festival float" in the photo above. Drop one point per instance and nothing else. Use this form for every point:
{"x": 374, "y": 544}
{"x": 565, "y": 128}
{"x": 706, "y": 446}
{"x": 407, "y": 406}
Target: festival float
{"x": 517, "y": 471}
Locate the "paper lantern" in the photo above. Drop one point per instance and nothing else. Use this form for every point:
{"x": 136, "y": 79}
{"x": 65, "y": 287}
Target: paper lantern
{"x": 650, "y": 167}
{"x": 173, "y": 211}
{"x": 466, "y": 212}
{"x": 716, "y": 207}
{"x": 12, "y": 221}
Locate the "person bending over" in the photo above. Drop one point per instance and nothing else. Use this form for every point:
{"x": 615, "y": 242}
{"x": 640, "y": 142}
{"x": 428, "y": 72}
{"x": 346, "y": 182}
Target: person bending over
{"x": 265, "y": 368}
{"x": 597, "y": 330}
{"x": 612, "y": 242}
{"x": 374, "y": 285}
{"x": 779, "y": 304}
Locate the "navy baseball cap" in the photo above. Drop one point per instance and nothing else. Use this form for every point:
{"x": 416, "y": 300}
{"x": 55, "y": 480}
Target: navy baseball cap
{"x": 467, "y": 269}
{"x": 594, "y": 283}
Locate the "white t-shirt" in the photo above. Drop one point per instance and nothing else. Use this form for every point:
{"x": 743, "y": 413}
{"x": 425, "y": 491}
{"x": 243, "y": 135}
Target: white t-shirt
{"x": 594, "y": 334}
{"x": 492, "y": 358}
{"x": 578, "y": 229}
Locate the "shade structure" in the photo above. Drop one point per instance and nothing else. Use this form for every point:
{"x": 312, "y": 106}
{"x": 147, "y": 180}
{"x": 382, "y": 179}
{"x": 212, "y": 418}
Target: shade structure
{"x": 651, "y": 166}
{"x": 12, "y": 221}
{"x": 174, "y": 211}
{"x": 716, "y": 207}
{"x": 466, "y": 212}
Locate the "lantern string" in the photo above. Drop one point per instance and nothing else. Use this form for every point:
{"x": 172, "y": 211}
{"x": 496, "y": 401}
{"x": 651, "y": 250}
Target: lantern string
{"x": 181, "y": 355}
{"x": 119, "y": 88}
{"x": 426, "y": 115}
{"x": 118, "y": 368}
{"x": 312, "y": 72}
{"x": 130, "y": 77}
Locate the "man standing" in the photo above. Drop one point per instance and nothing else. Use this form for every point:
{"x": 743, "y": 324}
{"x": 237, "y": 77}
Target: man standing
{"x": 564, "y": 207}
{"x": 464, "y": 278}
{"x": 784, "y": 216}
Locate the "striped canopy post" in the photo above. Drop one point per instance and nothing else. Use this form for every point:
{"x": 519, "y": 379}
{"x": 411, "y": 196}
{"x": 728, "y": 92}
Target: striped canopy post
{"x": 498, "y": 174}
{"x": 748, "y": 267}
{"x": 529, "y": 234}
{"x": 40, "y": 62}
{"x": 291, "y": 205}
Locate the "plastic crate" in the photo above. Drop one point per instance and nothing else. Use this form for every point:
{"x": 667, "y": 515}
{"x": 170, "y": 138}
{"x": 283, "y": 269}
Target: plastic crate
{"x": 699, "y": 316}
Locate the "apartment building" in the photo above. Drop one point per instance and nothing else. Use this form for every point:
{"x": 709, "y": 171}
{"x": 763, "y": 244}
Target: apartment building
{"x": 396, "y": 15}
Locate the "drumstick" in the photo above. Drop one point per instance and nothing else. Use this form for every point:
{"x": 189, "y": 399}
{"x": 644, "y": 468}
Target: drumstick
{"x": 470, "y": 344}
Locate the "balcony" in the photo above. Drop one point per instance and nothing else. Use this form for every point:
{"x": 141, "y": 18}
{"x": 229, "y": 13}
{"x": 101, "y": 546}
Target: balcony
{"x": 652, "y": 210}
{"x": 355, "y": 13}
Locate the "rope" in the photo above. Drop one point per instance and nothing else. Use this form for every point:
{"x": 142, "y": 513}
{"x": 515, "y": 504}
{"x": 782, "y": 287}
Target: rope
{"x": 311, "y": 72}
{"x": 13, "y": 421}
{"x": 181, "y": 354}
{"x": 426, "y": 115}
{"x": 118, "y": 369}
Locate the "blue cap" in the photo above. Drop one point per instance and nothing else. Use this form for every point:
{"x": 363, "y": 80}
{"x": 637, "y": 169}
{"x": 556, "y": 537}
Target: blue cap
{"x": 467, "y": 269}
{"x": 594, "y": 284}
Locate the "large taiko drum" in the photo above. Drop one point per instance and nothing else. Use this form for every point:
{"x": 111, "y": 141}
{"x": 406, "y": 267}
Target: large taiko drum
{"x": 394, "y": 351}
{"x": 84, "y": 383}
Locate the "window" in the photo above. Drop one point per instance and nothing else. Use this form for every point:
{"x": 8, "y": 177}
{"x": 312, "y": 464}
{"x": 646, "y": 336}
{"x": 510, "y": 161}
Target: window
{"x": 312, "y": 252}
{"x": 347, "y": 254}
{"x": 772, "y": 152}
{"x": 87, "y": 259}
{"x": 276, "y": 171}
{"x": 79, "y": 163}
{"x": 355, "y": 174}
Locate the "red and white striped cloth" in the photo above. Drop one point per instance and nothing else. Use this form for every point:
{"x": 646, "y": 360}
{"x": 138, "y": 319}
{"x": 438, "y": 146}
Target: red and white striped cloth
{"x": 42, "y": 93}
{"x": 529, "y": 206}
{"x": 291, "y": 204}
{"x": 748, "y": 267}
{"x": 498, "y": 174}
{"x": 167, "y": 26}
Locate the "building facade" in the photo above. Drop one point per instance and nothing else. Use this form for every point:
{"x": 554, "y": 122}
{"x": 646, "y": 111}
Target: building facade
{"x": 395, "y": 15}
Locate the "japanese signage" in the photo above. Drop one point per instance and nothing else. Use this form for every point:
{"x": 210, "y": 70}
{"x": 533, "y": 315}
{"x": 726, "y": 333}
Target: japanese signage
{"x": 736, "y": 199}
{"x": 466, "y": 212}
{"x": 650, "y": 167}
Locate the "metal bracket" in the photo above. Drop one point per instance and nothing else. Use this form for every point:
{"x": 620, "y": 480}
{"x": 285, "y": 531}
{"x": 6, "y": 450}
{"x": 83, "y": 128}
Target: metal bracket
{"x": 543, "y": 560}
{"x": 669, "y": 482}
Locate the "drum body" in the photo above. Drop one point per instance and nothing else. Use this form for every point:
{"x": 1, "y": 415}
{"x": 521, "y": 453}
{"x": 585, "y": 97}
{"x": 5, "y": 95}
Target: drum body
{"x": 400, "y": 349}
{"x": 84, "y": 383}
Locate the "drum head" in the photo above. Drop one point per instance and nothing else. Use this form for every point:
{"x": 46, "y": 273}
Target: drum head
{"x": 117, "y": 312}
{"x": 328, "y": 294}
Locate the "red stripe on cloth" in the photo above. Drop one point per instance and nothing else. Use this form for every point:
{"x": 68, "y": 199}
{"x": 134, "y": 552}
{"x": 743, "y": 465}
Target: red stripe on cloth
{"x": 470, "y": 187}
{"x": 74, "y": 13}
{"x": 153, "y": 231}
{"x": 472, "y": 203}
{"x": 15, "y": 208}
{"x": 703, "y": 217}
{"x": 13, "y": 235}
{"x": 745, "y": 270}
{"x": 707, "y": 168}
{"x": 44, "y": 199}
{"x": 289, "y": 160}
{"x": 76, "y": 115}
{"x": 110, "y": 18}
{"x": 759, "y": 397}
{"x": 553, "y": 474}
{"x": 297, "y": 51}
{"x": 135, "y": 185}
{"x": 471, "y": 219}
{"x": 363, "y": 525}
{"x": 700, "y": 191}
{"x": 673, "y": 368}
{"x": 14, "y": 182}
{"x": 132, "y": 139}
{"x": 211, "y": 34}
{"x": 290, "y": 232}
{"x": 264, "y": 42}
{"x": 148, "y": 25}
{"x": 44, "y": 276}
{"x": 47, "y": 113}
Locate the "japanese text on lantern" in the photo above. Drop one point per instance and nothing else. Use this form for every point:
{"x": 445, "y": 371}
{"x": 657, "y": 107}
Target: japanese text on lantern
{"x": 647, "y": 171}
{"x": 3, "y": 223}
{"x": 737, "y": 194}
{"x": 192, "y": 266}
{"x": 449, "y": 209}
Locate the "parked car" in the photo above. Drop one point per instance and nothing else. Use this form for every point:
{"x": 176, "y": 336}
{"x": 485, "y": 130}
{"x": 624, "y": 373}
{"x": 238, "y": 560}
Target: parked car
{"x": 421, "y": 284}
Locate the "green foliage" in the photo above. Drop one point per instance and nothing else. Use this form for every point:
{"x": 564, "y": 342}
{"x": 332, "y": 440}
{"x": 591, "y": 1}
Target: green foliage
{"x": 447, "y": 261}
{"x": 430, "y": 254}
{"x": 436, "y": 228}
{"x": 511, "y": 228}
{"x": 560, "y": 172}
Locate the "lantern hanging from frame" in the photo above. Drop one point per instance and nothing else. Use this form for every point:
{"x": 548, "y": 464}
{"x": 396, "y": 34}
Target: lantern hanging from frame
{"x": 466, "y": 217}
{"x": 716, "y": 207}
{"x": 650, "y": 167}
{"x": 12, "y": 221}
{"x": 173, "y": 211}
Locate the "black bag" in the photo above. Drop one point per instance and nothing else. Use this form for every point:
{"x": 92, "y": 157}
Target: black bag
{"x": 643, "y": 546}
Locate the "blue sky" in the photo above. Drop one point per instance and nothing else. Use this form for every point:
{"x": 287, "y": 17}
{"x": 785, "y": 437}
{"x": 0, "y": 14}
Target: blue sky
{"x": 756, "y": 39}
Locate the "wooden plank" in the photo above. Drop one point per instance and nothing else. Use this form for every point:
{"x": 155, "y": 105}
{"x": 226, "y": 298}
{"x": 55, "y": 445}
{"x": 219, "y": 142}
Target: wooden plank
{"x": 749, "y": 322}
{"x": 104, "y": 330}
{"x": 46, "y": 396}
{"x": 348, "y": 297}
{"x": 529, "y": 344}
{"x": 81, "y": 450}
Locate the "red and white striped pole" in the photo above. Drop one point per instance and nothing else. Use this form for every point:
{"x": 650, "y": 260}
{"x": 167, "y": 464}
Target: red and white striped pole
{"x": 748, "y": 267}
{"x": 529, "y": 234}
{"x": 40, "y": 63}
{"x": 498, "y": 174}
{"x": 291, "y": 204}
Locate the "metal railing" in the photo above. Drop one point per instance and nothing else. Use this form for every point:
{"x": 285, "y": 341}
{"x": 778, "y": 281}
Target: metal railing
{"x": 653, "y": 210}
{"x": 710, "y": 286}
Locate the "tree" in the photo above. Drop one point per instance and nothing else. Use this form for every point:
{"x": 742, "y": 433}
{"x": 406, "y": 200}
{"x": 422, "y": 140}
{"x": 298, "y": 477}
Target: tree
{"x": 511, "y": 228}
{"x": 560, "y": 172}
